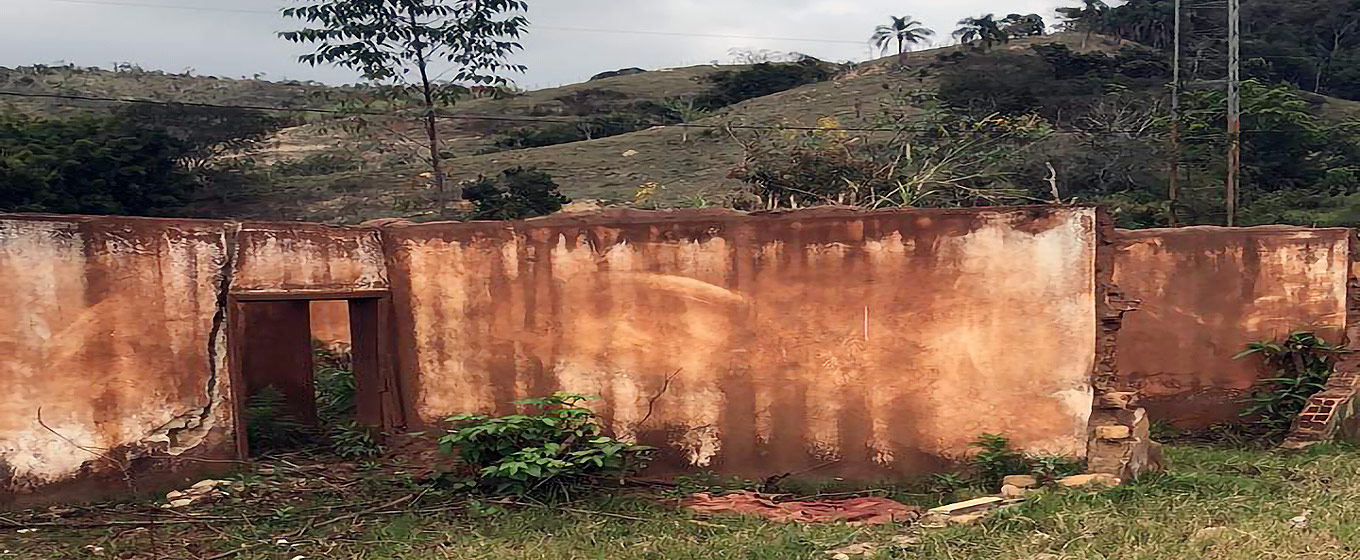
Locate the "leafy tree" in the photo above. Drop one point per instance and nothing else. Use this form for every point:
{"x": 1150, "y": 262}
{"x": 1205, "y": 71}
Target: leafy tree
{"x": 207, "y": 132}
{"x": 1016, "y": 25}
{"x": 90, "y": 165}
{"x": 515, "y": 194}
{"x": 1088, "y": 16}
{"x": 904, "y": 31}
{"x": 732, "y": 87}
{"x": 382, "y": 39}
{"x": 984, "y": 29}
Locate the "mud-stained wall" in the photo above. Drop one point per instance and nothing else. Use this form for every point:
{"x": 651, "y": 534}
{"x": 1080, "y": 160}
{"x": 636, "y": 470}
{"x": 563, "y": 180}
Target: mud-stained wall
{"x": 111, "y": 330}
{"x": 1205, "y": 293}
{"x": 821, "y": 343}
{"x": 115, "y": 330}
{"x": 300, "y": 258}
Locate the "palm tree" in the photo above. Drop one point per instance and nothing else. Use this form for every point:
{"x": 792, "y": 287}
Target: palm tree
{"x": 1088, "y": 16}
{"x": 904, "y": 31}
{"x": 983, "y": 29}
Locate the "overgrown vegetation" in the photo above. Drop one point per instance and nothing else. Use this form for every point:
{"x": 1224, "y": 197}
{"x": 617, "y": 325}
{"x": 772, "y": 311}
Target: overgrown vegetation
{"x": 730, "y": 87}
{"x": 515, "y": 194}
{"x": 553, "y": 447}
{"x": 939, "y": 157}
{"x": 1213, "y": 504}
{"x": 1301, "y": 365}
{"x": 91, "y": 165}
{"x": 996, "y": 459}
{"x": 271, "y": 427}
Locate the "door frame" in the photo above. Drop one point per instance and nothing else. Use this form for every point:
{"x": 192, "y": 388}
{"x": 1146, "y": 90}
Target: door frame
{"x": 378, "y": 398}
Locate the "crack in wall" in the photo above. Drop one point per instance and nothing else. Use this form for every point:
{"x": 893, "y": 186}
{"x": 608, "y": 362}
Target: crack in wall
{"x": 188, "y": 430}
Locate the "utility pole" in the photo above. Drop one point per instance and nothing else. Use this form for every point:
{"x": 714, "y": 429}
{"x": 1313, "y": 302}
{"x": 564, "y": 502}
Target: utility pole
{"x": 1174, "y": 186}
{"x": 1234, "y": 107}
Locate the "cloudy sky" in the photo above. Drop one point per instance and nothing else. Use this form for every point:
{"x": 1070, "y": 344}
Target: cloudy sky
{"x": 570, "y": 40}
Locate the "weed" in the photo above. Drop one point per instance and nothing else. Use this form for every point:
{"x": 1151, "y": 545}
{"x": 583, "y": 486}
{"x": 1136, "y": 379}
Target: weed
{"x": 352, "y": 440}
{"x": 1302, "y": 364}
{"x": 555, "y": 449}
{"x": 997, "y": 460}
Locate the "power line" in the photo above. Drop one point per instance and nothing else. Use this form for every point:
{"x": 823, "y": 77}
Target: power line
{"x": 543, "y": 27}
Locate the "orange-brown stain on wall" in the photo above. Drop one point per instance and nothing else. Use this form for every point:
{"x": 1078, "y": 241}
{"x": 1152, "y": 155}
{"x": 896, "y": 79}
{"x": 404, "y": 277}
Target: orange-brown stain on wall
{"x": 830, "y": 343}
{"x": 1207, "y": 292}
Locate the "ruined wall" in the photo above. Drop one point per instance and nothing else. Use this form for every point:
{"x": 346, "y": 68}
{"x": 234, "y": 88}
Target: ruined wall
{"x": 1205, "y": 293}
{"x": 116, "y": 330}
{"x": 299, "y": 259}
{"x": 823, "y": 343}
{"x": 112, "y": 328}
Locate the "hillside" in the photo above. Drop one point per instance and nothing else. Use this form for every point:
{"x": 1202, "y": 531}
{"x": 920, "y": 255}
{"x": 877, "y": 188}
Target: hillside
{"x": 692, "y": 164}
{"x": 353, "y": 168}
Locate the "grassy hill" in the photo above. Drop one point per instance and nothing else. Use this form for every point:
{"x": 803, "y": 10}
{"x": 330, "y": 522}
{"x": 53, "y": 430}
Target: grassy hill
{"x": 691, "y": 164}
{"x": 325, "y": 167}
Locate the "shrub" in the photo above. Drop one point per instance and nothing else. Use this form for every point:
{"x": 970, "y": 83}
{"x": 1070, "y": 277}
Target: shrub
{"x": 997, "y": 460}
{"x": 553, "y": 449}
{"x": 90, "y": 165}
{"x": 1302, "y": 365}
{"x": 515, "y": 194}
{"x": 732, "y": 87}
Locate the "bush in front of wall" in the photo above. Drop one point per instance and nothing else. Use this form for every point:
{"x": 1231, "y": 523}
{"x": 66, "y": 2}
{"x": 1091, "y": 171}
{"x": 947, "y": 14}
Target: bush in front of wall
{"x": 553, "y": 446}
{"x": 1302, "y": 364}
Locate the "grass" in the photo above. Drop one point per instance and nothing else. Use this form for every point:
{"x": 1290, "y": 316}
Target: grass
{"x": 1214, "y": 504}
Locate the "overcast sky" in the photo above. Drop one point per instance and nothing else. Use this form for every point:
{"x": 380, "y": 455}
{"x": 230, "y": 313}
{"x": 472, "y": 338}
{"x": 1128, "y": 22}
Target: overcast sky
{"x": 566, "y": 45}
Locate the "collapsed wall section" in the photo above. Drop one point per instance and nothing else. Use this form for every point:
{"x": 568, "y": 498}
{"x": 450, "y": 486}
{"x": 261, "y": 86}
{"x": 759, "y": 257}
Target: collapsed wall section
{"x": 1205, "y": 293}
{"x": 824, "y": 343}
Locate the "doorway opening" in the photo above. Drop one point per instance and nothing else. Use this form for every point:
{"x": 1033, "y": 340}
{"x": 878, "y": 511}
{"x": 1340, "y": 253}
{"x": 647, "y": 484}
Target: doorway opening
{"x": 312, "y": 375}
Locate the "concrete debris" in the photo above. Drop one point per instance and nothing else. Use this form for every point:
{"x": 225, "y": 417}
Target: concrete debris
{"x": 1010, "y": 491}
{"x": 1099, "y": 479}
{"x": 204, "y": 491}
{"x": 1021, "y": 481}
{"x": 854, "y": 511}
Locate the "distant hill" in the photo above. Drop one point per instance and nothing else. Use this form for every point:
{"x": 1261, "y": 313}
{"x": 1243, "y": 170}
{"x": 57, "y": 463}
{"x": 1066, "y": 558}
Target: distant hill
{"x": 323, "y": 168}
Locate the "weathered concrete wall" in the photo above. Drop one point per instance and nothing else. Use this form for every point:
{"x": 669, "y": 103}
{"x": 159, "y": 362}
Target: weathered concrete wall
{"x": 825, "y": 343}
{"x": 308, "y": 258}
{"x": 115, "y": 329}
{"x": 1205, "y": 293}
{"x": 112, "y": 329}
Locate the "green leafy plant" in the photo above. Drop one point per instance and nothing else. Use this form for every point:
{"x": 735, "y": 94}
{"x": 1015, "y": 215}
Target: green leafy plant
{"x": 555, "y": 447}
{"x": 515, "y": 194}
{"x": 353, "y": 440}
{"x": 1302, "y": 364}
{"x": 996, "y": 459}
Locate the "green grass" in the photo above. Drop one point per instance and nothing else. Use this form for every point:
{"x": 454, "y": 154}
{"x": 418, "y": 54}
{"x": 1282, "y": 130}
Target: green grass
{"x": 1214, "y": 504}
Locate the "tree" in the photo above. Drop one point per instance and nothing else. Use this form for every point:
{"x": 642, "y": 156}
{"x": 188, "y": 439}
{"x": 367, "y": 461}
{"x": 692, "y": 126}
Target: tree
{"x": 207, "y": 132}
{"x": 382, "y": 39}
{"x": 1088, "y": 16}
{"x": 1016, "y": 25}
{"x": 904, "y": 31}
{"x": 985, "y": 30}
{"x": 90, "y": 165}
{"x": 515, "y": 194}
